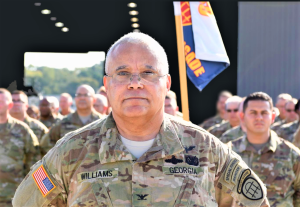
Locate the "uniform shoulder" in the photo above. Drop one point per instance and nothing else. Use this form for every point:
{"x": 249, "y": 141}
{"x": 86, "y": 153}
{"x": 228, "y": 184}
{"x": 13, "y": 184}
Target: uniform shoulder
{"x": 288, "y": 125}
{"x": 18, "y": 123}
{"x": 36, "y": 122}
{"x": 283, "y": 144}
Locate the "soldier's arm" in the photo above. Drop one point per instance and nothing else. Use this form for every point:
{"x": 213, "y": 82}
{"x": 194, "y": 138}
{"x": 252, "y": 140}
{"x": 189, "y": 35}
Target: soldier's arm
{"x": 43, "y": 185}
{"x": 49, "y": 140}
{"x": 296, "y": 140}
{"x": 32, "y": 150}
{"x": 296, "y": 196}
{"x": 235, "y": 178}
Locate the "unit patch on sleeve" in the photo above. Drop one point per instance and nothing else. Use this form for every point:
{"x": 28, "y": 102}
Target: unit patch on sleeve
{"x": 251, "y": 189}
{"x": 244, "y": 175}
{"x": 109, "y": 173}
{"x": 230, "y": 168}
{"x": 235, "y": 175}
{"x": 43, "y": 181}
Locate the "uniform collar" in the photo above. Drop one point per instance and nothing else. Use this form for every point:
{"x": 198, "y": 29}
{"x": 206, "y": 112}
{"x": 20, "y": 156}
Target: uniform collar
{"x": 112, "y": 149}
{"x": 271, "y": 145}
{"x": 74, "y": 117}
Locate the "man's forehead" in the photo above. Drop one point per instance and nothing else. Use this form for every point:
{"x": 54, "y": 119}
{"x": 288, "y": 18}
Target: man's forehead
{"x": 258, "y": 104}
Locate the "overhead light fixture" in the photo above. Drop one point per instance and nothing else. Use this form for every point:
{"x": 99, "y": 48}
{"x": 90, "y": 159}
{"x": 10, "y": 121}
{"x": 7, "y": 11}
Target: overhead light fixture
{"x": 136, "y": 30}
{"x": 53, "y": 18}
{"x": 134, "y": 19}
{"x": 135, "y": 25}
{"x": 59, "y": 24}
{"x": 65, "y": 29}
{"x": 133, "y": 12}
{"x": 46, "y": 11}
{"x": 37, "y": 4}
{"x": 132, "y": 5}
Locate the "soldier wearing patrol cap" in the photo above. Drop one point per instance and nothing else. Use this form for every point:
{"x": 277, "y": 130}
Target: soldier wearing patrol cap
{"x": 85, "y": 114}
{"x": 138, "y": 155}
{"x": 19, "y": 150}
{"x": 276, "y": 161}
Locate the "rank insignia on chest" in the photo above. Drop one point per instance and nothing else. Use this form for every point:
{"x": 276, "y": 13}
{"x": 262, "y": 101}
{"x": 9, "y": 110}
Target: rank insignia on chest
{"x": 43, "y": 181}
{"x": 192, "y": 160}
{"x": 174, "y": 160}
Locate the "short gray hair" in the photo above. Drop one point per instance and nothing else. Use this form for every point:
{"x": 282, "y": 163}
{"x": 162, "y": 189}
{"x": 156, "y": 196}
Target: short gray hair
{"x": 146, "y": 40}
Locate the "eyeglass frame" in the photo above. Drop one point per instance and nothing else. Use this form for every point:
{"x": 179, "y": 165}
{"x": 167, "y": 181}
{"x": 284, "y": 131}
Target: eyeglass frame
{"x": 79, "y": 95}
{"x": 232, "y": 110}
{"x": 139, "y": 77}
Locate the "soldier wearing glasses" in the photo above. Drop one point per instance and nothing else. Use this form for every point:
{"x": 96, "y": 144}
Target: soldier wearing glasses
{"x": 232, "y": 108}
{"x": 138, "y": 155}
{"x": 85, "y": 114}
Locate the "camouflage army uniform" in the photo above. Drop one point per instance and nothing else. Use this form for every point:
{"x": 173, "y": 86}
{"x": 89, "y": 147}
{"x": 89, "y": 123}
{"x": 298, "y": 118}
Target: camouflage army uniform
{"x": 277, "y": 119}
{"x": 277, "y": 165}
{"x": 296, "y": 140}
{"x": 50, "y": 121}
{"x": 232, "y": 134}
{"x": 219, "y": 129}
{"x": 19, "y": 150}
{"x": 276, "y": 125}
{"x": 70, "y": 123}
{"x": 38, "y": 128}
{"x": 92, "y": 167}
{"x": 211, "y": 122}
{"x": 287, "y": 131}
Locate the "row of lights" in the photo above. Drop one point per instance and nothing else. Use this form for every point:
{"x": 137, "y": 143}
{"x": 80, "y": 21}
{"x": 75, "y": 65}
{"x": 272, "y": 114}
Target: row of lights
{"x": 57, "y": 24}
{"x": 134, "y": 19}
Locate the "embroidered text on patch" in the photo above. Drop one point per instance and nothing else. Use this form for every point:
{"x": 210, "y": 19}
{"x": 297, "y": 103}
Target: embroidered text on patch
{"x": 43, "y": 181}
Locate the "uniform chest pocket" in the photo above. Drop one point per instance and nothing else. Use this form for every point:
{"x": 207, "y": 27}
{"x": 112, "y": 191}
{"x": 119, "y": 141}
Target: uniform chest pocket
{"x": 101, "y": 194}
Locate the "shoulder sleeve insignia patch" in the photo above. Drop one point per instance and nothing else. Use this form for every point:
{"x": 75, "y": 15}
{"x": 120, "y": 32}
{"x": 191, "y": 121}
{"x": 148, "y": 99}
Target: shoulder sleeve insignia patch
{"x": 251, "y": 189}
{"x": 230, "y": 168}
{"x": 244, "y": 175}
{"x": 235, "y": 175}
{"x": 43, "y": 181}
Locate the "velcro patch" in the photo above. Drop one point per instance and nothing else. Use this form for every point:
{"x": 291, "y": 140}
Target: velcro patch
{"x": 182, "y": 169}
{"x": 245, "y": 174}
{"x": 230, "y": 168}
{"x": 43, "y": 181}
{"x": 109, "y": 173}
{"x": 251, "y": 189}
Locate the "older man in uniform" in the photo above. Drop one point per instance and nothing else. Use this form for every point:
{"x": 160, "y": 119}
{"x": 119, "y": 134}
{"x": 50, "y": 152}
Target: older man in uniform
{"x": 65, "y": 103}
{"x": 280, "y": 104}
{"x": 138, "y": 155}
{"x": 221, "y": 111}
{"x": 85, "y": 114}
{"x": 18, "y": 111}
{"x": 275, "y": 160}
{"x": 171, "y": 106}
{"x": 101, "y": 104}
{"x": 232, "y": 108}
{"x": 19, "y": 150}
{"x": 47, "y": 112}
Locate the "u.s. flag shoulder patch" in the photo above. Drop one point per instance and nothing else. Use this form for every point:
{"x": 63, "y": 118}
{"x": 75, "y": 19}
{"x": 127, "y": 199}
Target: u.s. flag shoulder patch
{"x": 43, "y": 181}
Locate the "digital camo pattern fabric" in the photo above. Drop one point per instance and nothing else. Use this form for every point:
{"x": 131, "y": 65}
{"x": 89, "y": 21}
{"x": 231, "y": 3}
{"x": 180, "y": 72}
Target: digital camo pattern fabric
{"x": 38, "y": 128}
{"x": 19, "y": 150}
{"x": 211, "y": 122}
{"x": 219, "y": 129}
{"x": 49, "y": 122}
{"x": 288, "y": 130}
{"x": 232, "y": 134}
{"x": 276, "y": 125}
{"x": 277, "y": 165}
{"x": 69, "y": 123}
{"x": 92, "y": 167}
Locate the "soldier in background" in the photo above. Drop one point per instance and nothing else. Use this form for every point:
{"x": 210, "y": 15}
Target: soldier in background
{"x": 102, "y": 91}
{"x": 65, "y": 103}
{"x": 85, "y": 114}
{"x": 138, "y": 155}
{"x": 18, "y": 111}
{"x": 221, "y": 111}
{"x": 280, "y": 104}
{"x": 19, "y": 150}
{"x": 235, "y": 132}
{"x": 290, "y": 115}
{"x": 101, "y": 104}
{"x": 275, "y": 160}
{"x": 287, "y": 131}
{"x": 33, "y": 112}
{"x": 232, "y": 109}
{"x": 171, "y": 106}
{"x": 47, "y": 112}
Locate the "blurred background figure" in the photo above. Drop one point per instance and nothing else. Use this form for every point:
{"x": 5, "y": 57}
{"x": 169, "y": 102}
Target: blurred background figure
{"x": 280, "y": 104}
{"x": 18, "y": 111}
{"x": 102, "y": 91}
{"x": 221, "y": 111}
{"x": 171, "y": 106}
{"x": 101, "y": 104}
{"x": 33, "y": 112}
{"x": 232, "y": 109}
{"x": 65, "y": 103}
{"x": 47, "y": 108}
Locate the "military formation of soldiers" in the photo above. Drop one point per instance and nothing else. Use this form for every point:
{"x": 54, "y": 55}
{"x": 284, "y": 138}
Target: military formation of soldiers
{"x": 127, "y": 145}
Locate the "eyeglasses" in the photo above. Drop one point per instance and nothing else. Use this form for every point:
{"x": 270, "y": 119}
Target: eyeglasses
{"x": 17, "y": 101}
{"x": 232, "y": 110}
{"x": 82, "y": 95}
{"x": 144, "y": 77}
{"x": 289, "y": 110}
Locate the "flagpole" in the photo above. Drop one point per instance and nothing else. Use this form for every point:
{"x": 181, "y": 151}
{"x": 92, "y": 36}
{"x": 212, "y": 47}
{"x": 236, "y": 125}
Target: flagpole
{"x": 182, "y": 69}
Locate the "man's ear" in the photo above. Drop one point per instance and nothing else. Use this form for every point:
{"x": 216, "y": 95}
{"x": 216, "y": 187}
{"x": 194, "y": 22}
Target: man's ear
{"x": 273, "y": 116}
{"x": 168, "y": 84}
{"x": 241, "y": 115}
{"x": 10, "y": 105}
